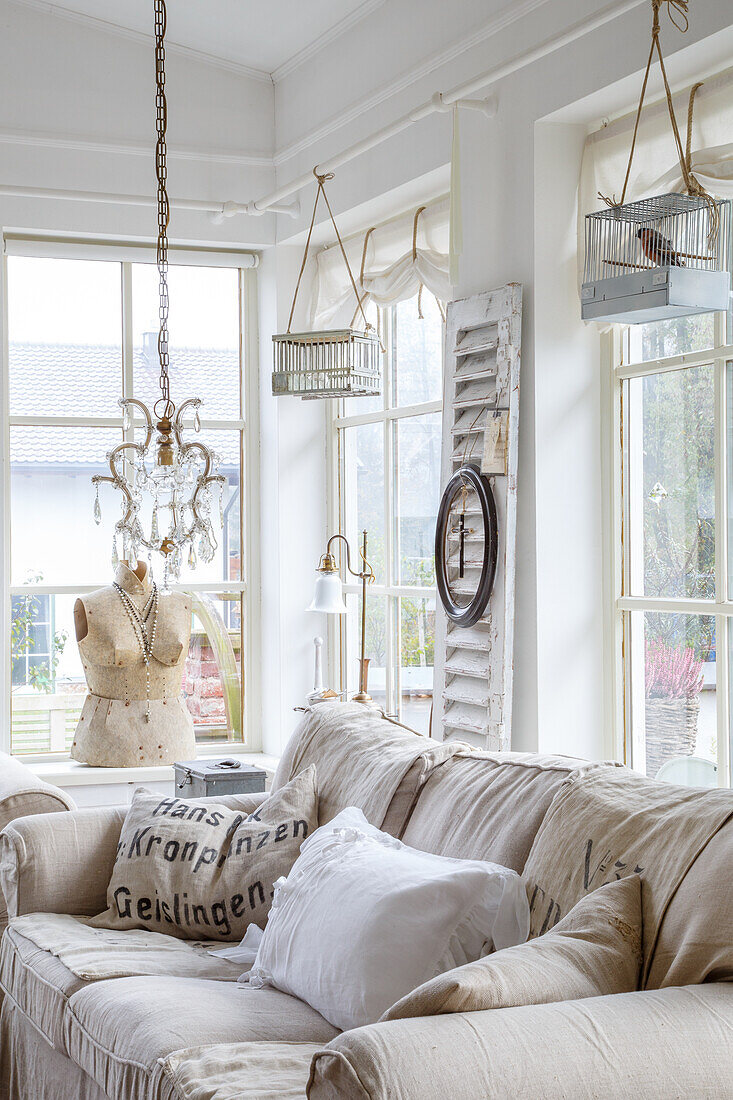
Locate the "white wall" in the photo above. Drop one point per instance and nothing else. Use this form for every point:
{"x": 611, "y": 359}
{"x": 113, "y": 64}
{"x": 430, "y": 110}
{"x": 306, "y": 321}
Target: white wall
{"x": 509, "y": 235}
{"x": 77, "y": 111}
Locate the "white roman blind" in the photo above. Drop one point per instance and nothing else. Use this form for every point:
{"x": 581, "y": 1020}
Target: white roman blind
{"x": 655, "y": 169}
{"x": 400, "y": 255}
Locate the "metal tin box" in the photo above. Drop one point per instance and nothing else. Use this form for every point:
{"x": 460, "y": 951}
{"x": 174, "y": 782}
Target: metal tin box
{"x": 203, "y": 778}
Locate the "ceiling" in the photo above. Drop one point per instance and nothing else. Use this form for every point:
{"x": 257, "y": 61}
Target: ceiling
{"x": 264, "y": 36}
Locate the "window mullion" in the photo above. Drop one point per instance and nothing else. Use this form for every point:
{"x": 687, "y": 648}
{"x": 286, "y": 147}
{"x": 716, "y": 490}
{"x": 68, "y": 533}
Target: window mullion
{"x": 127, "y": 335}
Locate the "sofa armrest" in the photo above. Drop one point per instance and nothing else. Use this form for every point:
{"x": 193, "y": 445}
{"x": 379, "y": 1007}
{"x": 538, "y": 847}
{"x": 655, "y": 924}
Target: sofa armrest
{"x": 656, "y": 1044}
{"x": 59, "y": 863}
{"x": 22, "y": 793}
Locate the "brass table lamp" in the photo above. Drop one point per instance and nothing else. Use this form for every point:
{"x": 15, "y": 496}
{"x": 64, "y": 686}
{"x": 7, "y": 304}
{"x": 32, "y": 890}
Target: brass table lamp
{"x": 328, "y": 598}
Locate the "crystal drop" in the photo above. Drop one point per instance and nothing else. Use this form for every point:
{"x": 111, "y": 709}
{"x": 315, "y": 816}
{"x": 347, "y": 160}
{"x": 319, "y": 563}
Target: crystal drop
{"x": 154, "y": 529}
{"x": 196, "y": 421}
{"x": 97, "y": 509}
{"x": 221, "y": 507}
{"x": 126, "y": 419}
{"x": 115, "y": 555}
{"x": 192, "y": 557}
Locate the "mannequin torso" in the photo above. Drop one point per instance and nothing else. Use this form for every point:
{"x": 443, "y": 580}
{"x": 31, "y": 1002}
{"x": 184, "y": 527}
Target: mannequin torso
{"x": 112, "y": 729}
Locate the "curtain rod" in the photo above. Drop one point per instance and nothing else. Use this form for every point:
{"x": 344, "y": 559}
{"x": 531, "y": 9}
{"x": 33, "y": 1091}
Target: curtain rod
{"x": 659, "y": 106}
{"x": 441, "y": 102}
{"x": 432, "y": 206}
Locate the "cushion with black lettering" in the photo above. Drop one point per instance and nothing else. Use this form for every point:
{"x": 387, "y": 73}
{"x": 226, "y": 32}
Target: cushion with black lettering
{"x": 194, "y": 869}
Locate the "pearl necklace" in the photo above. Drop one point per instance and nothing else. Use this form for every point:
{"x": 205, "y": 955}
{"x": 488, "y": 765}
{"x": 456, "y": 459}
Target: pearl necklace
{"x": 144, "y": 637}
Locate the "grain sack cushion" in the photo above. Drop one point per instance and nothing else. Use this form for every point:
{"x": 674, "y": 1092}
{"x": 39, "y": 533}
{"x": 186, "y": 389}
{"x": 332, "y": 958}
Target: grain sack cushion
{"x": 363, "y": 759}
{"x": 241, "y": 1071}
{"x": 605, "y": 824}
{"x": 197, "y": 870}
{"x": 594, "y": 951}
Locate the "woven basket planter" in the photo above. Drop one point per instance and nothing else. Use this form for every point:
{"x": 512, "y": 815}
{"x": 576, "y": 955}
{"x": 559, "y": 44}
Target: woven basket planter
{"x": 671, "y": 730}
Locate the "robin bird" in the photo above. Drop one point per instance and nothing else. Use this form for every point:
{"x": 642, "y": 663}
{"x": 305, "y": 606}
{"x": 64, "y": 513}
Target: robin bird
{"x": 658, "y": 249}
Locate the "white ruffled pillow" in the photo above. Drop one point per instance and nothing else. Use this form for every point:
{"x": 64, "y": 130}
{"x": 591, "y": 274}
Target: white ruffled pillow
{"x": 361, "y": 920}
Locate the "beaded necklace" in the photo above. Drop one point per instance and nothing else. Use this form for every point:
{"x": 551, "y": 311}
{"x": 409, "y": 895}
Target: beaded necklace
{"x": 144, "y": 637}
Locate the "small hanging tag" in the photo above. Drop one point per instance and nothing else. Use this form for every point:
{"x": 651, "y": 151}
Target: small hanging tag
{"x": 493, "y": 460}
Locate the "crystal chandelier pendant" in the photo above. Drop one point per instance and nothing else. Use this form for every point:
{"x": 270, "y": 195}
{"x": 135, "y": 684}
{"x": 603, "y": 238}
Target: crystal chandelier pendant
{"x": 167, "y": 472}
{"x": 115, "y": 555}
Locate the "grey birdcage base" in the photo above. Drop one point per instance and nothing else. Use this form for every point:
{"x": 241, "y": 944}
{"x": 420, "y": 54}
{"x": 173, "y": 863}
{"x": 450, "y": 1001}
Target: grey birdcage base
{"x": 655, "y": 294}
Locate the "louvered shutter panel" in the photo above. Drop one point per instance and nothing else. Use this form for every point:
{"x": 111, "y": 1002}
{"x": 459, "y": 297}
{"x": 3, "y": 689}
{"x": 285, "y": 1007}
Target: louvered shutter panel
{"x": 473, "y": 666}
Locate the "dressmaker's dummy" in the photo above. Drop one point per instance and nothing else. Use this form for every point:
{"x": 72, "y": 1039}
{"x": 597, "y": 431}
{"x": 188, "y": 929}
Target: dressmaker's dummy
{"x": 113, "y": 730}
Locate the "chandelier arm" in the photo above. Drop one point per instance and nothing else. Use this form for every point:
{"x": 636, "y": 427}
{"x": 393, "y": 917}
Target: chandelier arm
{"x": 190, "y": 402}
{"x": 124, "y": 402}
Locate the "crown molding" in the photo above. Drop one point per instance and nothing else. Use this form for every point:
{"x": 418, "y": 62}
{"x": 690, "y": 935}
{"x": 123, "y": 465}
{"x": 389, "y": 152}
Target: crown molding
{"x": 512, "y": 13}
{"x": 103, "y": 25}
{"x": 82, "y": 145}
{"x": 328, "y": 36}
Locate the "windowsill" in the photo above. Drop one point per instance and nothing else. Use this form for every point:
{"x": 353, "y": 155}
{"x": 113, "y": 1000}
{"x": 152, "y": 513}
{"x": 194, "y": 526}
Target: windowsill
{"x": 69, "y": 773}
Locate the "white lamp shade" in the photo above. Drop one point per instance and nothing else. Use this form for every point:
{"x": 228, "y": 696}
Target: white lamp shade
{"x": 328, "y": 596}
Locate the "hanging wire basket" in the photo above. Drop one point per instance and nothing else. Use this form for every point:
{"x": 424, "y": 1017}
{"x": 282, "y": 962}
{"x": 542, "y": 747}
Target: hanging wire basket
{"x": 667, "y": 256}
{"x": 332, "y": 363}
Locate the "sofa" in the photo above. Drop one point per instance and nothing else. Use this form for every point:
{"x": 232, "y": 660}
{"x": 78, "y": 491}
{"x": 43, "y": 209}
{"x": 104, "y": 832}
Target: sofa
{"x": 136, "y": 1024}
{"x": 22, "y": 794}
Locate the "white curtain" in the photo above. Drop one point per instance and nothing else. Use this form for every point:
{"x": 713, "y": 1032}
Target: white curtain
{"x": 392, "y": 272}
{"x": 655, "y": 169}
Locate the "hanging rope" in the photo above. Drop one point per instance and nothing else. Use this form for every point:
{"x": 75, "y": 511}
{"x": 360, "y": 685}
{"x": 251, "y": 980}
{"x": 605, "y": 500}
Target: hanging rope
{"x": 677, "y": 12}
{"x": 415, "y": 220}
{"x": 365, "y": 295}
{"x": 322, "y": 178}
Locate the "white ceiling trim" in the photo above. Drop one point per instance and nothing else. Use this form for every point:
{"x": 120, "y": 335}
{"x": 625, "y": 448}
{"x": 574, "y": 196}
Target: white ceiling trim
{"x": 69, "y": 141}
{"x": 511, "y": 14}
{"x": 106, "y": 27}
{"x": 324, "y": 39}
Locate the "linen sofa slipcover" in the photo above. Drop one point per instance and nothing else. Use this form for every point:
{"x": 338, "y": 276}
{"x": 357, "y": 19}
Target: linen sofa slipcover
{"x": 157, "y": 1035}
{"x": 23, "y": 794}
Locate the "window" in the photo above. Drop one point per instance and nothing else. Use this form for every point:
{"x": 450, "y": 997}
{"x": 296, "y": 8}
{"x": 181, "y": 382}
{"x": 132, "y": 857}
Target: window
{"x": 387, "y": 464}
{"x": 82, "y": 333}
{"x": 674, "y": 601}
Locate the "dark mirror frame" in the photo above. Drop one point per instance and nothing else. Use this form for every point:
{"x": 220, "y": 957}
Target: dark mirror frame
{"x": 469, "y": 614}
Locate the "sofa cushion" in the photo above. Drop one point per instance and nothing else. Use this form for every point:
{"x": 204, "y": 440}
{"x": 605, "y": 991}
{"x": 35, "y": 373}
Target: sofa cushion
{"x": 594, "y": 951}
{"x": 605, "y": 824}
{"x": 194, "y": 869}
{"x": 695, "y": 942}
{"x": 118, "y": 1030}
{"x": 362, "y": 759}
{"x": 241, "y": 1071}
{"x": 44, "y": 961}
{"x": 487, "y": 805}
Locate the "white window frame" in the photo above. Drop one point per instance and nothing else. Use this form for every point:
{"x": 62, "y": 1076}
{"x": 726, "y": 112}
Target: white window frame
{"x": 628, "y": 743}
{"x": 386, "y": 416}
{"x": 249, "y": 585}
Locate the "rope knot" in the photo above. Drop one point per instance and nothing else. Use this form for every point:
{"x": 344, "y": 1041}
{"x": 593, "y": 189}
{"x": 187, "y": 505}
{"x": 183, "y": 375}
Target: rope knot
{"x": 323, "y": 177}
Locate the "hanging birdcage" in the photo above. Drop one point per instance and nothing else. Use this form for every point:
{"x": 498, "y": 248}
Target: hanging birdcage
{"x": 667, "y": 256}
{"x": 333, "y": 363}
{"x": 342, "y": 363}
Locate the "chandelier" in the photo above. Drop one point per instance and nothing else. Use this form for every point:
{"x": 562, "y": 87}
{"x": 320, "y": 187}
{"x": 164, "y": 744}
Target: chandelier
{"x": 177, "y": 479}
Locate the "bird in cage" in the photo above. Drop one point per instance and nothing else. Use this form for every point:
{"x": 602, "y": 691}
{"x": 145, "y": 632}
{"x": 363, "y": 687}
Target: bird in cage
{"x": 658, "y": 249}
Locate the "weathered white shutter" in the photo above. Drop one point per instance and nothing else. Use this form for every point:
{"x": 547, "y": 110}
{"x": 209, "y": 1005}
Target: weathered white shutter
{"x": 473, "y": 667}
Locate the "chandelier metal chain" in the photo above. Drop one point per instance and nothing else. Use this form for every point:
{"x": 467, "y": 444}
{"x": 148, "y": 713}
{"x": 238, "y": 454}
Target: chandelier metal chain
{"x": 164, "y": 475}
{"x": 161, "y": 173}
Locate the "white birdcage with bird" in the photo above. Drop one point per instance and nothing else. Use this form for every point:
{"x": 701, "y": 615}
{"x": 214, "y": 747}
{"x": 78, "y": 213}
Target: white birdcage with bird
{"x": 667, "y": 256}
